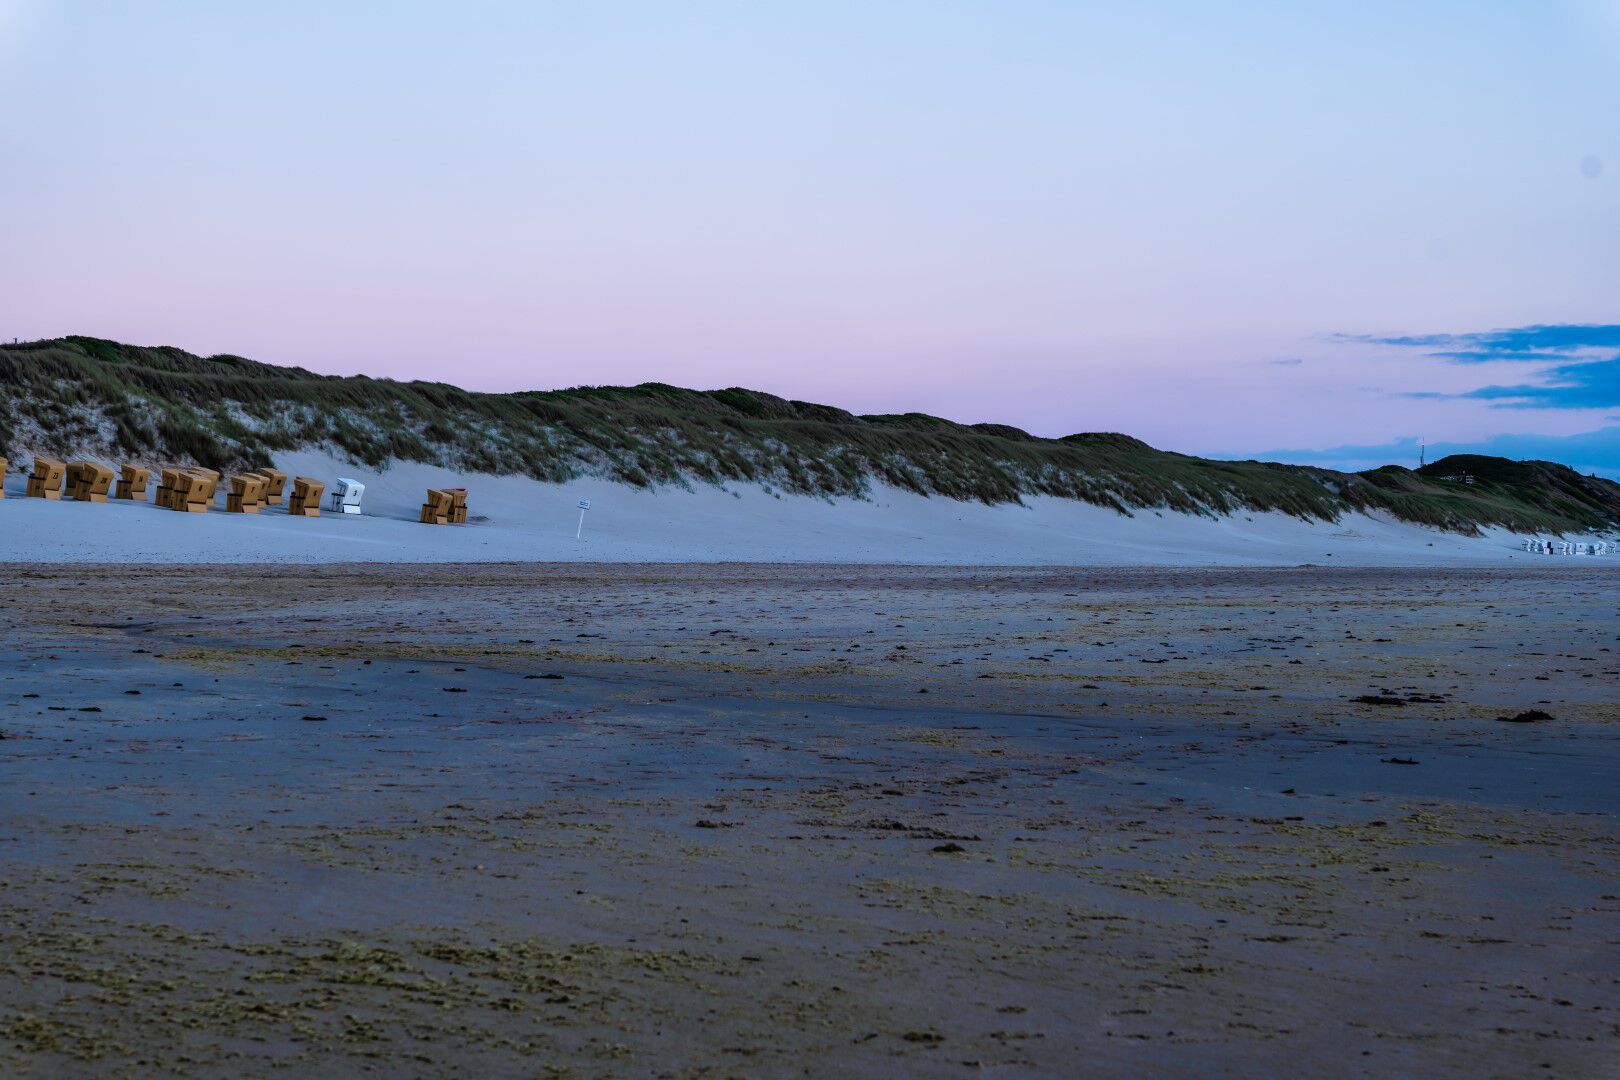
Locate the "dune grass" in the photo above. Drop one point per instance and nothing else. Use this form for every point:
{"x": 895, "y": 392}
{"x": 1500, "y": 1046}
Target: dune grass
{"x": 87, "y": 396}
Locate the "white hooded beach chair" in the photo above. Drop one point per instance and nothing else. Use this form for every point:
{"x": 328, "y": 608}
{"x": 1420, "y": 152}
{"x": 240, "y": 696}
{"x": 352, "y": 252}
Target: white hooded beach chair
{"x": 345, "y": 497}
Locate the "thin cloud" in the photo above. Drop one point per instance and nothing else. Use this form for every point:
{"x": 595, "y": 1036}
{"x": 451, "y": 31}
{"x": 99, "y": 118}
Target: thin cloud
{"x": 1511, "y": 343}
{"x": 1581, "y": 363}
{"x": 1482, "y": 356}
{"x": 1594, "y": 384}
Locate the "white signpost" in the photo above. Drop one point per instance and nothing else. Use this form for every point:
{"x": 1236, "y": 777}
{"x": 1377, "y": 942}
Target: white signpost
{"x": 584, "y": 505}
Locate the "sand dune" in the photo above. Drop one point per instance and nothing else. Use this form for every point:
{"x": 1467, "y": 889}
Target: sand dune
{"x": 518, "y": 519}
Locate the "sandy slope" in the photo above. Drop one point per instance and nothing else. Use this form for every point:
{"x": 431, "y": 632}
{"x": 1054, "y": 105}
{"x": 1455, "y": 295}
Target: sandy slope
{"x": 518, "y": 519}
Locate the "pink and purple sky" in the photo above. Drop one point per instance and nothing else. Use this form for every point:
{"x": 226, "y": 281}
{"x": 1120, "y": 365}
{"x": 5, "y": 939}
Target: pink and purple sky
{"x": 1302, "y": 230}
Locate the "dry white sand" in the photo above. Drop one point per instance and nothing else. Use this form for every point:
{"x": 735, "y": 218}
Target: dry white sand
{"x": 518, "y": 519}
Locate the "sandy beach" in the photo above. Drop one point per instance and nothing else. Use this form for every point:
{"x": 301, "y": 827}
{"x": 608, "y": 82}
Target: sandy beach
{"x": 906, "y": 540}
{"x": 767, "y": 820}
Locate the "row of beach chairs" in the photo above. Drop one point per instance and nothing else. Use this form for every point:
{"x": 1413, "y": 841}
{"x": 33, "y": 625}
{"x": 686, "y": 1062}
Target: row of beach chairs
{"x": 194, "y": 489}
{"x": 1538, "y": 546}
{"x": 445, "y": 506}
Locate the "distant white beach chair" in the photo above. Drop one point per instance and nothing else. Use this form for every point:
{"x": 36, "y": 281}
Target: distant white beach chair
{"x": 345, "y": 497}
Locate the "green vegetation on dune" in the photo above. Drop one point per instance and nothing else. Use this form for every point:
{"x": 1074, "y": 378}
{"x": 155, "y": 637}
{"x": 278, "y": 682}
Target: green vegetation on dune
{"x": 87, "y": 396}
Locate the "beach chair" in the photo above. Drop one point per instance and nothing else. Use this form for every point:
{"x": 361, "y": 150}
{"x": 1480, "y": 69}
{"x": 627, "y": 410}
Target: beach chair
{"x": 445, "y": 506}
{"x": 46, "y": 481}
{"x": 345, "y": 497}
{"x": 165, "y": 488}
{"x": 168, "y": 481}
{"x": 438, "y": 508}
{"x": 275, "y": 482}
{"x": 182, "y": 482}
{"x": 194, "y": 490}
{"x": 246, "y": 495}
{"x": 3, "y": 465}
{"x": 306, "y": 497}
{"x": 96, "y": 482}
{"x": 132, "y": 483}
{"x": 206, "y": 488}
{"x": 88, "y": 481}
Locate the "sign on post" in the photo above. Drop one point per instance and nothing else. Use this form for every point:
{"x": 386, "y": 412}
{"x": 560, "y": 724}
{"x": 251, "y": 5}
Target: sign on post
{"x": 584, "y": 505}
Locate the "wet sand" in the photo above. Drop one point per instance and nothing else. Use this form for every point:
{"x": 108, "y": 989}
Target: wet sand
{"x": 770, "y": 820}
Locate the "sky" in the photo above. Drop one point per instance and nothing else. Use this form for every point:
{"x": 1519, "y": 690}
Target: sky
{"x": 1321, "y": 232}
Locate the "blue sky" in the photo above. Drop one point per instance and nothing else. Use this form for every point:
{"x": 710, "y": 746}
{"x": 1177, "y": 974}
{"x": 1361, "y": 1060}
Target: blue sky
{"x": 1575, "y": 367}
{"x": 1224, "y": 228}
{"x": 1535, "y": 370}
